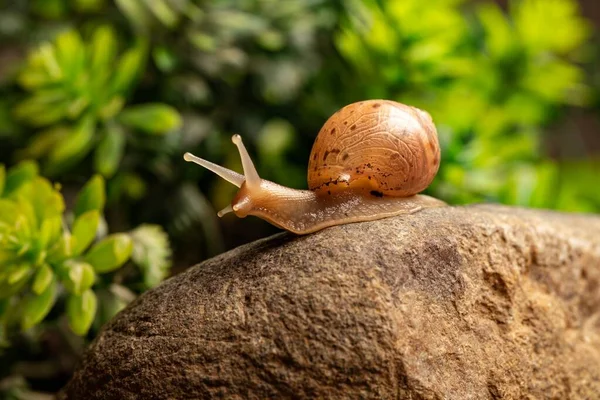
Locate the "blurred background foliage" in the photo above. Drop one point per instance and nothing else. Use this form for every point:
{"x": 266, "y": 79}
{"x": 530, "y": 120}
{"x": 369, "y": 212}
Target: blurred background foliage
{"x": 103, "y": 97}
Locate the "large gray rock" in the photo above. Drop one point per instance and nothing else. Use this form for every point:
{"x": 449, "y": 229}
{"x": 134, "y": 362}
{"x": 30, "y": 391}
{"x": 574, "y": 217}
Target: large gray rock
{"x": 480, "y": 302}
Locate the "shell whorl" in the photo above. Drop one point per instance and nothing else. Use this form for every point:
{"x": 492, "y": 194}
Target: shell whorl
{"x": 380, "y": 146}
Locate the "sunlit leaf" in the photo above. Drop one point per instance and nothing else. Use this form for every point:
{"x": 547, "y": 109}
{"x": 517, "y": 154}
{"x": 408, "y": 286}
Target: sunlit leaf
{"x": 81, "y": 311}
{"x": 61, "y": 250}
{"x": 84, "y": 231}
{"x": 550, "y": 25}
{"x": 43, "y": 278}
{"x": 8, "y": 289}
{"x": 500, "y": 39}
{"x": 152, "y": 253}
{"x": 50, "y": 230}
{"x": 103, "y": 48}
{"x": 77, "y": 276}
{"x": 75, "y": 146}
{"x": 43, "y": 142}
{"x": 35, "y": 308}
{"x": 110, "y": 253}
{"x": 17, "y": 176}
{"x": 17, "y": 273}
{"x": 46, "y": 201}
{"x": 91, "y": 197}
{"x": 70, "y": 52}
{"x": 9, "y": 211}
{"x": 110, "y": 150}
{"x": 128, "y": 67}
{"x": 151, "y": 118}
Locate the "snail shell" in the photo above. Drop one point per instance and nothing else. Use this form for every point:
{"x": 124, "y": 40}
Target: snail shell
{"x": 376, "y": 145}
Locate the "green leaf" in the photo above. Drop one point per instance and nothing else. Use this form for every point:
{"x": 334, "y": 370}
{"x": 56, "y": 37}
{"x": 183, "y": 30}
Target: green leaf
{"x": 19, "y": 175}
{"x": 36, "y": 308}
{"x": 555, "y": 26}
{"x": 61, "y": 250}
{"x": 91, "y": 197}
{"x": 111, "y": 108}
{"x": 151, "y": 118}
{"x": 43, "y": 142}
{"x": 77, "y": 276}
{"x": 110, "y": 253}
{"x": 50, "y": 231}
{"x": 84, "y": 231}
{"x": 7, "y": 289}
{"x": 9, "y": 211}
{"x": 18, "y": 273}
{"x": 498, "y": 31}
{"x": 70, "y": 52}
{"x": 110, "y": 150}
{"x": 75, "y": 146}
{"x": 81, "y": 311}
{"x": 151, "y": 252}
{"x": 26, "y": 221}
{"x": 129, "y": 67}
{"x": 43, "y": 278}
{"x": 45, "y": 107}
{"x": 102, "y": 48}
{"x": 46, "y": 201}
{"x": 164, "y": 58}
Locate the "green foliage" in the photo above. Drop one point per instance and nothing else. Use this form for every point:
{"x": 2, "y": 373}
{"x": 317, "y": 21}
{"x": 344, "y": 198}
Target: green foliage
{"x": 151, "y": 252}
{"x": 78, "y": 91}
{"x": 491, "y": 81}
{"x": 229, "y": 40}
{"x": 42, "y": 259}
{"x": 91, "y": 86}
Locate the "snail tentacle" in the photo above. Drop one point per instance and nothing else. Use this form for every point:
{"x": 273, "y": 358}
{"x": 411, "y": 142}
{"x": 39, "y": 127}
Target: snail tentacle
{"x": 252, "y": 178}
{"x": 225, "y": 173}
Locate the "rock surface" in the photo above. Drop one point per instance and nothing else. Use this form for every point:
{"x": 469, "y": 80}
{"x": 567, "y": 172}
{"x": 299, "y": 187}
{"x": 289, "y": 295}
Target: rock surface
{"x": 478, "y": 302}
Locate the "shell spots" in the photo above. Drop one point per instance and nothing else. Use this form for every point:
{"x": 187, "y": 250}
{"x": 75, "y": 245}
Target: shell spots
{"x": 325, "y": 155}
{"x": 395, "y": 156}
{"x": 353, "y": 127}
{"x": 333, "y": 131}
{"x": 376, "y": 105}
{"x": 345, "y": 156}
{"x": 376, "y": 193}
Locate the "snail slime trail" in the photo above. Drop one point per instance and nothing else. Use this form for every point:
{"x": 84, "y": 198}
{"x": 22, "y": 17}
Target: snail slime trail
{"x": 369, "y": 161}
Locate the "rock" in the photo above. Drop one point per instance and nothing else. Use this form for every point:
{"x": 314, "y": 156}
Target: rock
{"x": 478, "y": 302}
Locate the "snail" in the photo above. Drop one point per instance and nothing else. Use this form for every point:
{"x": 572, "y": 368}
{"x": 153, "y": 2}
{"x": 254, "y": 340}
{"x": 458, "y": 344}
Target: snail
{"x": 369, "y": 161}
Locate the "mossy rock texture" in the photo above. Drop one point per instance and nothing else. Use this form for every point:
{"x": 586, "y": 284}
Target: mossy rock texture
{"x": 476, "y": 302}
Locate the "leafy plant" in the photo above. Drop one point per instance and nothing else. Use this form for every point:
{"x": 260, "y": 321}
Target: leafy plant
{"x": 277, "y": 42}
{"x": 43, "y": 258}
{"x": 78, "y": 91}
{"x": 491, "y": 82}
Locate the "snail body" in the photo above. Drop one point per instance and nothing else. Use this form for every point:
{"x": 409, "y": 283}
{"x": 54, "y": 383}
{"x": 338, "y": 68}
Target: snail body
{"x": 369, "y": 161}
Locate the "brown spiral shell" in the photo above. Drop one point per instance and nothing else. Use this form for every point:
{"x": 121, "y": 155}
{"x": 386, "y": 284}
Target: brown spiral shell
{"x": 381, "y": 146}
